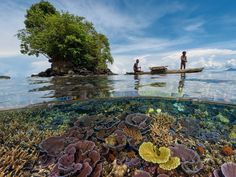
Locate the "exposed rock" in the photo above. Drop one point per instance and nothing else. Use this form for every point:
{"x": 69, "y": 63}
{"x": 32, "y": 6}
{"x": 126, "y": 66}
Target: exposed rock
{"x": 5, "y": 77}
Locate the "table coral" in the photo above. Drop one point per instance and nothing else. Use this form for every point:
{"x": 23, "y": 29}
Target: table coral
{"x": 151, "y": 153}
{"x": 139, "y": 121}
{"x": 190, "y": 160}
{"x": 226, "y": 170}
{"x": 171, "y": 164}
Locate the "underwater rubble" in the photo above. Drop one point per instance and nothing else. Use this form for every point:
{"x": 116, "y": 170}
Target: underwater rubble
{"x": 119, "y": 138}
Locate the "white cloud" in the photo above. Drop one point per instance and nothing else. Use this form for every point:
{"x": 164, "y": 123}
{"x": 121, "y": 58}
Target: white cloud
{"x": 194, "y": 26}
{"x": 204, "y": 57}
{"x": 111, "y": 20}
{"x": 143, "y": 44}
{"x": 39, "y": 65}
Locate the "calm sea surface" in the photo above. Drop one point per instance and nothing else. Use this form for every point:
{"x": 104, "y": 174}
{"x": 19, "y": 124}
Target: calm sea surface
{"x": 207, "y": 85}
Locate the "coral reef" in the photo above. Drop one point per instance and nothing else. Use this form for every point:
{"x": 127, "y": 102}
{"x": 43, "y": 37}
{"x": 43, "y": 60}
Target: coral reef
{"x": 81, "y": 158}
{"x": 190, "y": 160}
{"x": 116, "y": 141}
{"x": 140, "y": 173}
{"x": 160, "y": 129}
{"x": 93, "y": 138}
{"x": 226, "y": 150}
{"x": 139, "y": 121}
{"x": 226, "y": 170}
{"x": 171, "y": 164}
{"x": 151, "y": 153}
{"x": 200, "y": 150}
{"x": 118, "y": 170}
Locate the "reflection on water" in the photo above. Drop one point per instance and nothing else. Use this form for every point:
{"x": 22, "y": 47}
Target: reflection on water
{"x": 181, "y": 83}
{"x": 213, "y": 86}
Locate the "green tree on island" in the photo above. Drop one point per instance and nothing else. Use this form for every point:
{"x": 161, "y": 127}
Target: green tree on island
{"x": 69, "y": 42}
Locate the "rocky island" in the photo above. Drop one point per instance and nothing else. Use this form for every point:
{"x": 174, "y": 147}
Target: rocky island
{"x": 71, "y": 43}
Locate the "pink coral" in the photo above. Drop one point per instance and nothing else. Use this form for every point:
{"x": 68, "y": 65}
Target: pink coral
{"x": 190, "y": 160}
{"x": 226, "y": 170}
{"x": 80, "y": 158}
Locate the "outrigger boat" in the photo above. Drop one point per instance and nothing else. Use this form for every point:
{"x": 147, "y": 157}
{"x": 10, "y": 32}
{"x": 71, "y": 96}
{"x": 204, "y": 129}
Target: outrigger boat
{"x": 164, "y": 70}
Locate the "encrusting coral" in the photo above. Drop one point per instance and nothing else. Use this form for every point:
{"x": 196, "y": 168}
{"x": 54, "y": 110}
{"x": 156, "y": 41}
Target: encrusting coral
{"x": 159, "y": 129}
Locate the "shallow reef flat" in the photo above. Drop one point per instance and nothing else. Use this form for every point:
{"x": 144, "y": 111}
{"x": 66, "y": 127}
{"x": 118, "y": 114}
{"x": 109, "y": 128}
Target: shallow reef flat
{"x": 136, "y": 137}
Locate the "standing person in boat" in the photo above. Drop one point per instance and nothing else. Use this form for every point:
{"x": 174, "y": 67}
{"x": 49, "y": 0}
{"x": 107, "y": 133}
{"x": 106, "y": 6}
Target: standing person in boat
{"x": 136, "y": 68}
{"x": 183, "y": 59}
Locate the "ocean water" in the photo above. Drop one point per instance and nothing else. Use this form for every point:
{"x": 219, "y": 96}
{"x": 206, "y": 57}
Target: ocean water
{"x": 112, "y": 117}
{"x": 209, "y": 85}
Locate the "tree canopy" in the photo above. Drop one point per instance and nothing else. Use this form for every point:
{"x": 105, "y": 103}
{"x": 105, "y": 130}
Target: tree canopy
{"x": 63, "y": 36}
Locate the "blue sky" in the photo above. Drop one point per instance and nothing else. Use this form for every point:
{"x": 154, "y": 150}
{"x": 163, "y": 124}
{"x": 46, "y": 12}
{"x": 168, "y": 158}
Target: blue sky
{"x": 156, "y": 31}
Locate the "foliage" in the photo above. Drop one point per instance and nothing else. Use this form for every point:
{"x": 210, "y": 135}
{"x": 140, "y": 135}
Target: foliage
{"x": 61, "y": 36}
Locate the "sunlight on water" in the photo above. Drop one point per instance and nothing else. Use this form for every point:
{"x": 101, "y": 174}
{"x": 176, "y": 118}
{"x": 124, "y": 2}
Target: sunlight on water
{"x": 208, "y": 85}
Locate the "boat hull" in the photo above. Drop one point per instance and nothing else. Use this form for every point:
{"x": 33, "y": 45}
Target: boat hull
{"x": 192, "y": 70}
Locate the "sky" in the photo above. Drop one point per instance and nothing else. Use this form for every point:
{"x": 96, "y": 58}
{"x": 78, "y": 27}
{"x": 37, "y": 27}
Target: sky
{"x": 155, "y": 31}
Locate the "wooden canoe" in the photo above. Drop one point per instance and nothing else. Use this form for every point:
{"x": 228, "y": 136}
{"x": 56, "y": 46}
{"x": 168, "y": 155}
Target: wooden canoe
{"x": 168, "y": 71}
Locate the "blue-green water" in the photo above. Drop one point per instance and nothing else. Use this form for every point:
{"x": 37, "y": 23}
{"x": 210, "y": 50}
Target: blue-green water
{"x": 219, "y": 86}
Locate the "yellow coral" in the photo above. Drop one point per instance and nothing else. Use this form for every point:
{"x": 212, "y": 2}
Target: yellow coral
{"x": 151, "y": 153}
{"x": 110, "y": 140}
{"x": 171, "y": 164}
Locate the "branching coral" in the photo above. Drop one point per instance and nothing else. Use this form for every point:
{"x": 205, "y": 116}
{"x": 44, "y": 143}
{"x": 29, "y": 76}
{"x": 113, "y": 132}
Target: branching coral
{"x": 133, "y": 133}
{"x": 19, "y": 137}
{"x": 159, "y": 129}
{"x": 14, "y": 160}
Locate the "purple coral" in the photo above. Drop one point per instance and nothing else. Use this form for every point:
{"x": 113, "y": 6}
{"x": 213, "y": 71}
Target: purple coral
{"x": 105, "y": 128}
{"x": 81, "y": 158}
{"x": 226, "y": 170}
{"x": 81, "y": 133}
{"x": 140, "y": 121}
{"x": 190, "y": 160}
{"x": 121, "y": 140}
{"x": 133, "y": 162}
{"x": 50, "y": 149}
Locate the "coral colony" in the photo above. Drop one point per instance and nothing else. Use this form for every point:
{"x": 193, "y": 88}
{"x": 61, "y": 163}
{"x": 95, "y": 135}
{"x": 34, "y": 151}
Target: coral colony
{"x": 119, "y": 138}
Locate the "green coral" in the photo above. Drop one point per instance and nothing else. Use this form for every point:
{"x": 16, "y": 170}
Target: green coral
{"x": 222, "y": 118}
